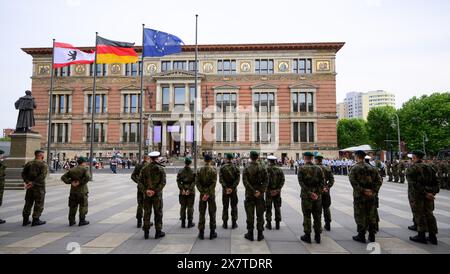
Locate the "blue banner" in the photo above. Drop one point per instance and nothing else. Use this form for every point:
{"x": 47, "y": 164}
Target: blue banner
{"x": 158, "y": 43}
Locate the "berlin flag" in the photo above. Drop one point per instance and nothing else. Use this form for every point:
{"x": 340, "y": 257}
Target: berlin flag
{"x": 66, "y": 55}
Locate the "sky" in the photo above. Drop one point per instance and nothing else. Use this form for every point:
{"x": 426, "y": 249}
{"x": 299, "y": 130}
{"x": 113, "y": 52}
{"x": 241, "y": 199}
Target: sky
{"x": 402, "y": 46}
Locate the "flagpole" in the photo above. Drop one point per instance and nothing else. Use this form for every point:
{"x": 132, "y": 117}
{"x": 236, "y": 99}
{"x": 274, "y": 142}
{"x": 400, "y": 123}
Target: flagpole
{"x": 49, "y": 137}
{"x": 195, "y": 149}
{"x": 91, "y": 150}
{"x": 142, "y": 96}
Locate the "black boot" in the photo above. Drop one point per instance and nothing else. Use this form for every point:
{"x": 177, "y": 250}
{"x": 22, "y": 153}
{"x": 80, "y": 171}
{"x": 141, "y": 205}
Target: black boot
{"x": 260, "y": 235}
{"x": 139, "y": 223}
{"x": 72, "y": 223}
{"x": 269, "y": 225}
{"x": 277, "y": 225}
{"x": 420, "y": 238}
{"x": 317, "y": 238}
{"x": 201, "y": 234}
{"x": 159, "y": 234}
{"x": 249, "y": 235}
{"x": 26, "y": 221}
{"x": 432, "y": 238}
{"x": 327, "y": 226}
{"x": 306, "y": 238}
{"x": 38, "y": 222}
{"x": 361, "y": 237}
{"x": 183, "y": 224}
{"x": 190, "y": 224}
{"x": 412, "y": 227}
{"x": 212, "y": 234}
{"x": 2, "y": 221}
{"x": 371, "y": 237}
{"x": 235, "y": 225}
{"x": 83, "y": 222}
{"x": 146, "y": 234}
{"x": 225, "y": 225}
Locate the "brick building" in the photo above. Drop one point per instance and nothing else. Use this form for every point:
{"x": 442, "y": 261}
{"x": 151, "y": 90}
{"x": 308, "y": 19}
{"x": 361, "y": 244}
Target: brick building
{"x": 276, "y": 98}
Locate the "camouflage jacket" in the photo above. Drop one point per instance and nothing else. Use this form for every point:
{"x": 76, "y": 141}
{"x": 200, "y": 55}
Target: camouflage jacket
{"x": 206, "y": 180}
{"x": 401, "y": 166}
{"x": 135, "y": 176}
{"x": 329, "y": 177}
{"x": 364, "y": 176}
{"x": 80, "y": 174}
{"x": 275, "y": 178}
{"x": 152, "y": 177}
{"x": 229, "y": 176}
{"x": 35, "y": 171}
{"x": 186, "y": 180}
{"x": 255, "y": 179}
{"x": 2, "y": 172}
{"x": 311, "y": 179}
{"x": 422, "y": 179}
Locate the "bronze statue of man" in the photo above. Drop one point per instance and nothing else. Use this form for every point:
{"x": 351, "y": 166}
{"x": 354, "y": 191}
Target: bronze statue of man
{"x": 26, "y": 106}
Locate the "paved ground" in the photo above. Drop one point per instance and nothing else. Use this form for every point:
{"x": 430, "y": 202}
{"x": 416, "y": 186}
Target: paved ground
{"x": 112, "y": 229}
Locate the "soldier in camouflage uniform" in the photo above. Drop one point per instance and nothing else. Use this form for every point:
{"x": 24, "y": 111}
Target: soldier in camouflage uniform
{"x": 395, "y": 171}
{"x": 312, "y": 182}
{"x": 2, "y": 180}
{"x": 152, "y": 182}
{"x": 366, "y": 183}
{"x": 206, "y": 180}
{"x": 401, "y": 171}
{"x": 140, "y": 194}
{"x": 186, "y": 184}
{"x": 78, "y": 177}
{"x": 442, "y": 173}
{"x": 273, "y": 194}
{"x": 255, "y": 182}
{"x": 34, "y": 175}
{"x": 229, "y": 177}
{"x": 389, "y": 170}
{"x": 326, "y": 197}
{"x": 422, "y": 189}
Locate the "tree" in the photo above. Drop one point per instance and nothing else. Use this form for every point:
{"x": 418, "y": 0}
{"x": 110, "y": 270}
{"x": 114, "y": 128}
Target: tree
{"x": 382, "y": 126}
{"x": 352, "y": 132}
{"x": 427, "y": 117}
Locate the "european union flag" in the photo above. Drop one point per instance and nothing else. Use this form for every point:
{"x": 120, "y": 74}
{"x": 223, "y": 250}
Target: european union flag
{"x": 158, "y": 43}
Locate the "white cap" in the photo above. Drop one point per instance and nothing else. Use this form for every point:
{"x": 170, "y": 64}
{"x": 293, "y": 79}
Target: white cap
{"x": 368, "y": 158}
{"x": 154, "y": 154}
{"x": 410, "y": 156}
{"x": 271, "y": 157}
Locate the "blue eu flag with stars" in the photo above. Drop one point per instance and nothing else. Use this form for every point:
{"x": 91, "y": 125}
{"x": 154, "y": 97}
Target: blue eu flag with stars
{"x": 158, "y": 43}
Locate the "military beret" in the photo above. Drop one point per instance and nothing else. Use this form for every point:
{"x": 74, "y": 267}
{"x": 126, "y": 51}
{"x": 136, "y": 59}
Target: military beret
{"x": 360, "y": 153}
{"x": 319, "y": 156}
{"x": 229, "y": 156}
{"x": 308, "y": 154}
{"x": 272, "y": 158}
{"x": 2, "y": 152}
{"x": 82, "y": 160}
{"x": 418, "y": 153}
{"x": 208, "y": 157}
{"x": 154, "y": 154}
{"x": 254, "y": 154}
{"x": 187, "y": 160}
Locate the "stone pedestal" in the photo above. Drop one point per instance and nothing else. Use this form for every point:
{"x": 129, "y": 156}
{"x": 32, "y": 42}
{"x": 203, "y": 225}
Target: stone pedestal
{"x": 23, "y": 146}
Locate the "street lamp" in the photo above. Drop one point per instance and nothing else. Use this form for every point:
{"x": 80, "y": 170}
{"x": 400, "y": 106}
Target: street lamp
{"x": 425, "y": 140}
{"x": 399, "y": 139}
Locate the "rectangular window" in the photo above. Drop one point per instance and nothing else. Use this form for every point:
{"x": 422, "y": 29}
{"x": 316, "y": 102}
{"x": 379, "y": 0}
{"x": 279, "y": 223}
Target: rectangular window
{"x": 179, "y": 65}
{"x": 104, "y": 103}
{"x": 226, "y": 132}
{"x": 191, "y": 98}
{"x": 126, "y": 103}
{"x": 68, "y": 103}
{"x": 133, "y": 103}
{"x": 226, "y": 102}
{"x": 264, "y": 132}
{"x": 192, "y": 66}
{"x": 264, "y": 66}
{"x": 302, "y": 66}
{"x": 180, "y": 94}
{"x": 98, "y": 103}
{"x": 165, "y": 98}
{"x": 303, "y": 102}
{"x": 226, "y": 67}
{"x": 125, "y": 133}
{"x": 166, "y": 66}
{"x": 303, "y": 132}
{"x": 99, "y": 132}
{"x": 264, "y": 102}
{"x": 311, "y": 138}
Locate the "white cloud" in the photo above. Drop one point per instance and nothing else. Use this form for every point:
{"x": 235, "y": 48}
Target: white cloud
{"x": 374, "y": 3}
{"x": 73, "y": 3}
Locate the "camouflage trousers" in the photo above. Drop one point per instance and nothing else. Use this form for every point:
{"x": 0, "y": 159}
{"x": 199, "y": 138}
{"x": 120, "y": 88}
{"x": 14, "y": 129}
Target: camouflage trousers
{"x": 402, "y": 178}
{"x": 390, "y": 176}
{"x": 396, "y": 176}
{"x": 276, "y": 202}
{"x": 253, "y": 204}
{"x": 2, "y": 188}
{"x": 78, "y": 200}
{"x": 212, "y": 208}
{"x": 226, "y": 201}
{"x": 34, "y": 196}
{"x": 314, "y": 208}
{"x": 140, "y": 205}
{"x": 154, "y": 203}
{"x": 422, "y": 209}
{"x": 187, "y": 205}
{"x": 326, "y": 203}
{"x": 366, "y": 215}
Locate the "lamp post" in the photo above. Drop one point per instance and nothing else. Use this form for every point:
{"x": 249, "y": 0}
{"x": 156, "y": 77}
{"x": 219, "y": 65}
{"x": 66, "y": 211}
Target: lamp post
{"x": 399, "y": 138}
{"x": 425, "y": 140}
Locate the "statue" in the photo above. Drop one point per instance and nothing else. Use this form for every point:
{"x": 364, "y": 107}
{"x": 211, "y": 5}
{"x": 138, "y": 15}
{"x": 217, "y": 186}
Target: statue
{"x": 26, "y": 106}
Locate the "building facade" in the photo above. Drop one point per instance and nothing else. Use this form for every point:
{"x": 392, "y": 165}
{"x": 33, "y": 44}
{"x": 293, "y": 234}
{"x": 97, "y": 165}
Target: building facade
{"x": 359, "y": 104}
{"x": 275, "y": 98}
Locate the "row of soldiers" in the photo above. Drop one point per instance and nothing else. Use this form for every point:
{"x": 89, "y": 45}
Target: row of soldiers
{"x": 263, "y": 185}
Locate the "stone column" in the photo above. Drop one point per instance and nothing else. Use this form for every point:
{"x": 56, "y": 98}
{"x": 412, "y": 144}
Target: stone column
{"x": 186, "y": 97}
{"x": 164, "y": 138}
{"x": 171, "y": 97}
{"x": 182, "y": 137}
{"x": 150, "y": 136}
{"x": 158, "y": 98}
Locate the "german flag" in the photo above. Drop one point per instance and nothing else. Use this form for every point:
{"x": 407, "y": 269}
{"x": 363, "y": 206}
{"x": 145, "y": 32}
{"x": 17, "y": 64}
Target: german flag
{"x": 109, "y": 52}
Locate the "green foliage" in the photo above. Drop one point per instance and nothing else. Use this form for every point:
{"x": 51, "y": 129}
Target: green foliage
{"x": 352, "y": 132}
{"x": 7, "y": 139}
{"x": 382, "y": 126}
{"x": 429, "y": 115}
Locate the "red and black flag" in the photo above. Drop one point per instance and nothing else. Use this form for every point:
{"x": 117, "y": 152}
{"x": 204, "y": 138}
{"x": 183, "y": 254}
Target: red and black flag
{"x": 109, "y": 52}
